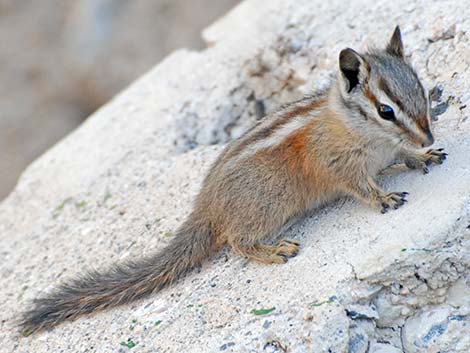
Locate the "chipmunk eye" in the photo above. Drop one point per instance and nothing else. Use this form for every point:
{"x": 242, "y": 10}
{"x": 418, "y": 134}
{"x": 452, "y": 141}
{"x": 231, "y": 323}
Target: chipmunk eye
{"x": 386, "y": 112}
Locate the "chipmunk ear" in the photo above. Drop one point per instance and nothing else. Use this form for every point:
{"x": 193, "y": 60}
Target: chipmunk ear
{"x": 395, "y": 46}
{"x": 353, "y": 67}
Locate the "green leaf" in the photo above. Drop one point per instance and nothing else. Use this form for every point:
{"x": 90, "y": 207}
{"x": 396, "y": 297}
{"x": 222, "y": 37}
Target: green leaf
{"x": 129, "y": 344}
{"x": 158, "y": 322}
{"x": 26, "y": 333}
{"x": 80, "y": 204}
{"x": 262, "y": 311}
{"x": 329, "y": 301}
{"x": 59, "y": 208}
{"x": 319, "y": 303}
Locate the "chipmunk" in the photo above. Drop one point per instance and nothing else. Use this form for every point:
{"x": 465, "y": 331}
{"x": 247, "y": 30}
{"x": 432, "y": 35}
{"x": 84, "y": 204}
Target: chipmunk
{"x": 298, "y": 158}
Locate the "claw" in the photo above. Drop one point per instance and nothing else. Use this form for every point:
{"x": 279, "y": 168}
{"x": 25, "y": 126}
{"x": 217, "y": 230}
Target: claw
{"x": 286, "y": 256}
{"x": 385, "y": 208}
{"x": 289, "y": 241}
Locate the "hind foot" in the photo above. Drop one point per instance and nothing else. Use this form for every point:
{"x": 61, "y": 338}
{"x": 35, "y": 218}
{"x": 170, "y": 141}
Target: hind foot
{"x": 287, "y": 248}
{"x": 267, "y": 254}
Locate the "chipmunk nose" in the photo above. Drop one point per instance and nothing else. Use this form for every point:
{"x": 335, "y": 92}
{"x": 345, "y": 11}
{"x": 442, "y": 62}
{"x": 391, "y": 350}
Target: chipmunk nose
{"x": 429, "y": 141}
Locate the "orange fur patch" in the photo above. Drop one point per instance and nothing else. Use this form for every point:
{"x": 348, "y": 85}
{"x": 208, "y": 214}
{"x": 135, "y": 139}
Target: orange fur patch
{"x": 293, "y": 151}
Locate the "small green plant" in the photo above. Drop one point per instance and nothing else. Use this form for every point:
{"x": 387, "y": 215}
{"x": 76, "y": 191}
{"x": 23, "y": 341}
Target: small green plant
{"x": 132, "y": 327}
{"x": 158, "y": 322}
{"x": 59, "y": 208}
{"x": 26, "y": 333}
{"x": 80, "y": 204}
{"x": 129, "y": 344}
{"x": 262, "y": 311}
{"x": 329, "y": 301}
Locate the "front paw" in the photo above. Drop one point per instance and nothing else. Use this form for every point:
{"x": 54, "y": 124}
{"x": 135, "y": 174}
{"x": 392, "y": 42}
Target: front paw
{"x": 422, "y": 161}
{"x": 435, "y": 156}
{"x": 392, "y": 200}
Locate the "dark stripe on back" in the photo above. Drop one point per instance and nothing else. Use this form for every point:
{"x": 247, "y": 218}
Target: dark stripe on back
{"x": 269, "y": 130}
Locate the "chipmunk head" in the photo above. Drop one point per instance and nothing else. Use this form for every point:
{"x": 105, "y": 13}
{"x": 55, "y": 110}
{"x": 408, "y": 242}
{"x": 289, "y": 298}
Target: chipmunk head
{"x": 385, "y": 90}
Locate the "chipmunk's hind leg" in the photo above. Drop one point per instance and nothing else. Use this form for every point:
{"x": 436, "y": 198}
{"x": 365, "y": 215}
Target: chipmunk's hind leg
{"x": 267, "y": 254}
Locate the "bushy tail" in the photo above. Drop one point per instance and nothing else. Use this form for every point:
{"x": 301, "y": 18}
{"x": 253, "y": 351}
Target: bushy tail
{"x": 122, "y": 283}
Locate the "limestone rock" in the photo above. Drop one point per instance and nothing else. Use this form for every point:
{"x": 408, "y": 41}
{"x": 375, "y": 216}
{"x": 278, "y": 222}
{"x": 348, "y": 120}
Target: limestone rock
{"x": 119, "y": 185}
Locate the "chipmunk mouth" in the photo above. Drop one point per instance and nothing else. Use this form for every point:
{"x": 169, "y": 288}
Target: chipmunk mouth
{"x": 418, "y": 142}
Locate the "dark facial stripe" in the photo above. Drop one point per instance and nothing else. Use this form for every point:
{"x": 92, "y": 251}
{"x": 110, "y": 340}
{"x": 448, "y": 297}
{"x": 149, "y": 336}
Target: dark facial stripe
{"x": 354, "y": 106}
{"x": 422, "y": 122}
{"x": 362, "y": 112}
{"x": 401, "y": 126}
{"x": 373, "y": 99}
{"x": 386, "y": 89}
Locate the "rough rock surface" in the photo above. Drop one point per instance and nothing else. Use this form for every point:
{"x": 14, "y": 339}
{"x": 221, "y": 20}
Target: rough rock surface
{"x": 119, "y": 186}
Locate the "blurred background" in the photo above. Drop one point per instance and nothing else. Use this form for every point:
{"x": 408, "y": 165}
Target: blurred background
{"x": 61, "y": 60}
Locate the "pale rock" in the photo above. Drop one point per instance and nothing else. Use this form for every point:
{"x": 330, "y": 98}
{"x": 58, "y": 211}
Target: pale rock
{"x": 147, "y": 151}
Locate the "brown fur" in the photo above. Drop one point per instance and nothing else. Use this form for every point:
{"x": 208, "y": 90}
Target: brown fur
{"x": 299, "y": 158}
